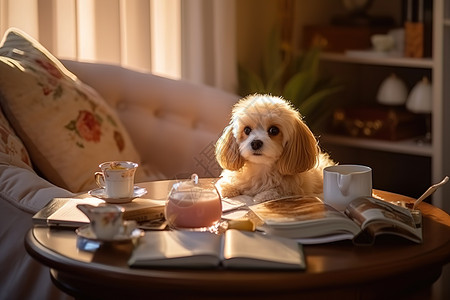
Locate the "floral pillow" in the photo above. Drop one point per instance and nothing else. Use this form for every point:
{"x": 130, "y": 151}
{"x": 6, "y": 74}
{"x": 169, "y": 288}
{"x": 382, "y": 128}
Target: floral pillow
{"x": 66, "y": 126}
{"x": 12, "y": 150}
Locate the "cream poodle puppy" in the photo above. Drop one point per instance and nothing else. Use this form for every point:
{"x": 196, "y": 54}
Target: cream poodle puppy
{"x": 268, "y": 152}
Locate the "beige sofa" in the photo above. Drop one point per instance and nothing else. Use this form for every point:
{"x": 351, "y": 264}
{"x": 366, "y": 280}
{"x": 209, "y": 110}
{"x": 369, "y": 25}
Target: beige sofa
{"x": 173, "y": 126}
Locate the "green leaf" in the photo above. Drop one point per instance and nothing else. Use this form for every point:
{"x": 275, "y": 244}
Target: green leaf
{"x": 58, "y": 92}
{"x": 294, "y": 76}
{"x": 250, "y": 82}
{"x": 275, "y": 82}
{"x": 310, "y": 59}
{"x": 71, "y": 125}
{"x": 272, "y": 59}
{"x": 294, "y": 87}
{"x": 111, "y": 120}
{"x": 315, "y": 100}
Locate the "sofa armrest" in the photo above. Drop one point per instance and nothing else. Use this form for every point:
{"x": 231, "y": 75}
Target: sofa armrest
{"x": 23, "y": 193}
{"x": 25, "y": 190}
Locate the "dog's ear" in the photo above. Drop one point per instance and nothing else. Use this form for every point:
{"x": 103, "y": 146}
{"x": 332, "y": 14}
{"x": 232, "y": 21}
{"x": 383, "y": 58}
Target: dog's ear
{"x": 227, "y": 151}
{"x": 301, "y": 151}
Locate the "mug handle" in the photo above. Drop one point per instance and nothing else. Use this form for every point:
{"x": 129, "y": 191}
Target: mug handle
{"x": 99, "y": 179}
{"x": 344, "y": 183}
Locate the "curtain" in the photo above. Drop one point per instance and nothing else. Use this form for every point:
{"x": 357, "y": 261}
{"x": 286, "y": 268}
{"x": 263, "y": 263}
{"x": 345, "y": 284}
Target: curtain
{"x": 209, "y": 42}
{"x": 188, "y": 39}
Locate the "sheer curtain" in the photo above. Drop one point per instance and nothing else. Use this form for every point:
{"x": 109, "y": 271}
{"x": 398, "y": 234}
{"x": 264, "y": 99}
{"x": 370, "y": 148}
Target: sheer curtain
{"x": 189, "y": 39}
{"x": 209, "y": 43}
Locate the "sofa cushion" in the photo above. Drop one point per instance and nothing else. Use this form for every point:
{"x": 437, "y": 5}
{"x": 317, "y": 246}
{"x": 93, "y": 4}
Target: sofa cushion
{"x": 66, "y": 126}
{"x": 12, "y": 150}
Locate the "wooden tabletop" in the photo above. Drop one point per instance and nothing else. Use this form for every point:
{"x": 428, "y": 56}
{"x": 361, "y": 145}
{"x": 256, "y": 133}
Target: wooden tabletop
{"x": 391, "y": 267}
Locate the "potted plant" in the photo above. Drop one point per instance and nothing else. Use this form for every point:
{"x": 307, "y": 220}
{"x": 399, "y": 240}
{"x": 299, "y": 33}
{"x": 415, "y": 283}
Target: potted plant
{"x": 293, "y": 76}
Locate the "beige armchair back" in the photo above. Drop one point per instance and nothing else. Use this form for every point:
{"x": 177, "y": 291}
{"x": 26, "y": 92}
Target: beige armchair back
{"x": 173, "y": 123}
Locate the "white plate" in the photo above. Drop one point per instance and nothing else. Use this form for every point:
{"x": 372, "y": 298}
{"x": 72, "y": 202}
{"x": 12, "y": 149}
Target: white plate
{"x": 101, "y": 193}
{"x": 87, "y": 233}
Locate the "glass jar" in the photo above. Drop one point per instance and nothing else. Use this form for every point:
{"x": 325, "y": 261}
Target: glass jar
{"x": 193, "y": 203}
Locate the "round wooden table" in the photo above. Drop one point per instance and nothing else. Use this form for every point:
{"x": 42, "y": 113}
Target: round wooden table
{"x": 392, "y": 268}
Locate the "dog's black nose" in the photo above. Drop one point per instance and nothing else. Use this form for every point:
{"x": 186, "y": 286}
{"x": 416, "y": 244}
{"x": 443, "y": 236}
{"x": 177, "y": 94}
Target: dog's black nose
{"x": 256, "y": 144}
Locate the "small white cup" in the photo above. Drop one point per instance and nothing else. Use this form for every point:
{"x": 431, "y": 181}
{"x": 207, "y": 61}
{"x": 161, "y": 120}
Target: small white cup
{"x": 382, "y": 42}
{"x": 117, "y": 178}
{"x": 344, "y": 183}
{"x": 106, "y": 220}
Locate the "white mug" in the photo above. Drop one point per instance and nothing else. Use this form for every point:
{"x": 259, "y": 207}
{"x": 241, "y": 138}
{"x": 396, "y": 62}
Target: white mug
{"x": 117, "y": 178}
{"x": 344, "y": 183}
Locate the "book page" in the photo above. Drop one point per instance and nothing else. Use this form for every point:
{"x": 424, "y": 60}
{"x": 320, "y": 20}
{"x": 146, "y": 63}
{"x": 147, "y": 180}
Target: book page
{"x": 366, "y": 209}
{"x": 69, "y": 214}
{"x": 229, "y": 204}
{"x": 139, "y": 203}
{"x": 304, "y": 219}
{"x": 330, "y": 238}
{"x": 138, "y": 209}
{"x": 177, "y": 249}
{"x": 142, "y": 210}
{"x": 294, "y": 210}
{"x": 243, "y": 249}
{"x": 380, "y": 217}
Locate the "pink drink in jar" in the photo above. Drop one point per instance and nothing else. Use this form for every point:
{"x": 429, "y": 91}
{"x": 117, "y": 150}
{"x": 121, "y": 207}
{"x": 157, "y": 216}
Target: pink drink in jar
{"x": 185, "y": 209}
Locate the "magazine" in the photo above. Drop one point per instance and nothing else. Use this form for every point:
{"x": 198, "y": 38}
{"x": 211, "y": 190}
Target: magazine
{"x": 63, "y": 212}
{"x": 232, "y": 249}
{"x": 310, "y": 221}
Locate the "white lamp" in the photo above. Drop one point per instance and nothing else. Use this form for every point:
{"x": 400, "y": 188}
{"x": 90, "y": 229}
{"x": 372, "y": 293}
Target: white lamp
{"x": 392, "y": 91}
{"x": 420, "y": 97}
{"x": 420, "y": 101}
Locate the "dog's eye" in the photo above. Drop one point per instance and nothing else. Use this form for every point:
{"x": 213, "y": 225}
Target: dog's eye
{"x": 273, "y": 130}
{"x": 247, "y": 130}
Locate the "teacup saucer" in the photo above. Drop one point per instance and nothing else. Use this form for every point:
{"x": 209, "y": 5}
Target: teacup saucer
{"x": 87, "y": 233}
{"x": 101, "y": 193}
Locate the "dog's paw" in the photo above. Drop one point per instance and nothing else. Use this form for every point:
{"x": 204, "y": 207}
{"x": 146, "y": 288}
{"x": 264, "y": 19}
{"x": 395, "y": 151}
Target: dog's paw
{"x": 228, "y": 191}
{"x": 265, "y": 196}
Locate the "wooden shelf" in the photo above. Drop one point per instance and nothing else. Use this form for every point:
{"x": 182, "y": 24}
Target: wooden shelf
{"x": 409, "y": 146}
{"x": 362, "y": 57}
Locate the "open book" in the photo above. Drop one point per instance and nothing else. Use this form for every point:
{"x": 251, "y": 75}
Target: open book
{"x": 310, "y": 221}
{"x": 148, "y": 212}
{"x": 233, "y": 249}
{"x": 64, "y": 212}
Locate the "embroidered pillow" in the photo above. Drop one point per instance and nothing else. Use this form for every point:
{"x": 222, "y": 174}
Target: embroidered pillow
{"x": 12, "y": 150}
{"x": 66, "y": 126}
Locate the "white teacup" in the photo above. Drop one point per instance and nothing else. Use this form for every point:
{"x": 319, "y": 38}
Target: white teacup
{"x": 344, "y": 183}
{"x": 117, "y": 178}
{"x": 106, "y": 220}
{"x": 382, "y": 42}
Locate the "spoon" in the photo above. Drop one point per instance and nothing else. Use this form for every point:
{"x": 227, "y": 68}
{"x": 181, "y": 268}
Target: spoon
{"x": 430, "y": 191}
